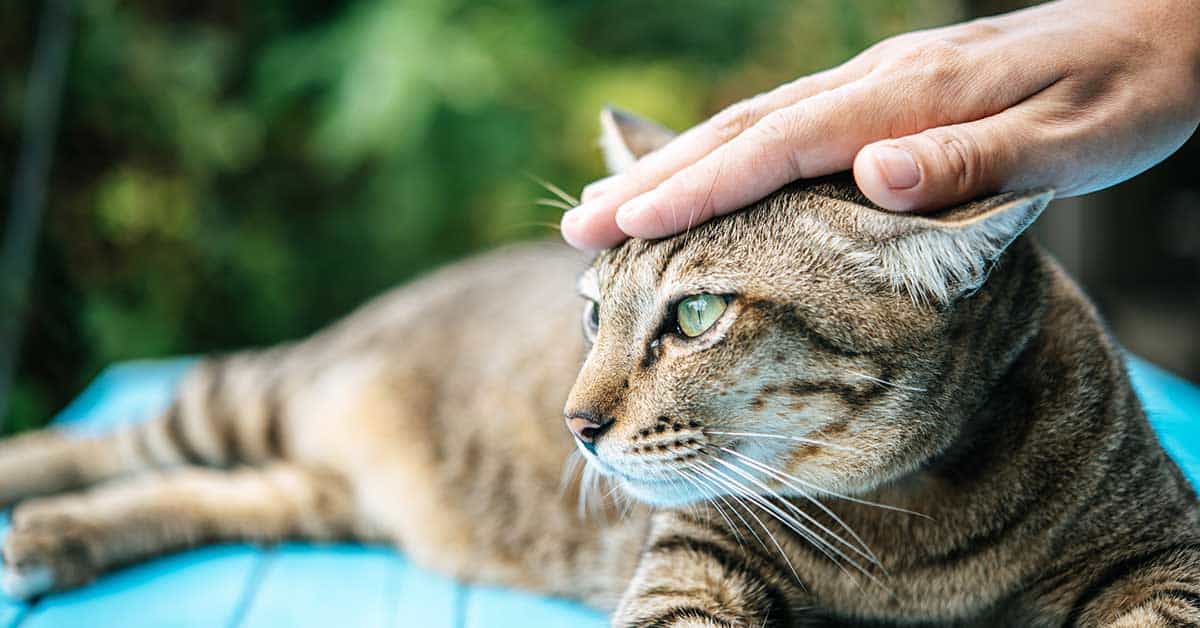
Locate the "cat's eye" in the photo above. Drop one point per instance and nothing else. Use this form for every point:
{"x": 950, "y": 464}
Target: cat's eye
{"x": 696, "y": 314}
{"x": 591, "y": 319}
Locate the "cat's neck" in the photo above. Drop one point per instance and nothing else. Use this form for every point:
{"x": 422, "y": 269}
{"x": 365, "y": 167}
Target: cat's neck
{"x": 1049, "y": 406}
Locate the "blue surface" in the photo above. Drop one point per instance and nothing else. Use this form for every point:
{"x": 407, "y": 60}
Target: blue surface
{"x": 291, "y": 584}
{"x": 354, "y": 585}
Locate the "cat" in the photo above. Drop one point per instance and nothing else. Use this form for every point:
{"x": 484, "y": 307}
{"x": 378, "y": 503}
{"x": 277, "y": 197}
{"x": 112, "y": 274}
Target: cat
{"x": 813, "y": 413}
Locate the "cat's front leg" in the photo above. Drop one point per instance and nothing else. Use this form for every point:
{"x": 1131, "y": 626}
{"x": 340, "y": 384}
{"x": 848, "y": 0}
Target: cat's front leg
{"x": 1153, "y": 589}
{"x": 695, "y": 573}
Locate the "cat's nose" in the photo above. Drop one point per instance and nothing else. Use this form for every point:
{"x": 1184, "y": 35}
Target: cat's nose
{"x": 588, "y": 427}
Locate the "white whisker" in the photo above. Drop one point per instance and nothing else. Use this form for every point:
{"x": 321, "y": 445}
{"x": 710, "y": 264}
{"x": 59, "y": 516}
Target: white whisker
{"x": 817, "y": 489}
{"x": 790, "y": 522}
{"x": 798, "y": 511}
{"x": 820, "y": 543}
{"x": 776, "y": 474}
{"x": 885, "y": 382}
{"x": 553, "y": 202}
{"x": 718, "y": 478}
{"x": 709, "y": 499}
{"x": 716, "y": 490}
{"x": 797, "y": 439}
{"x": 554, "y": 189}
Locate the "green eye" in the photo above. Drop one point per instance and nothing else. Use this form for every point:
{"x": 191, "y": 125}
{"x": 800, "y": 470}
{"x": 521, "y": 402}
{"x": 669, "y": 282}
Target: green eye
{"x": 695, "y": 314}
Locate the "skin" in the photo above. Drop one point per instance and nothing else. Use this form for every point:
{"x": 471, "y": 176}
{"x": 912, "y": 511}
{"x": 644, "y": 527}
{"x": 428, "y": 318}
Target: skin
{"x": 1075, "y": 95}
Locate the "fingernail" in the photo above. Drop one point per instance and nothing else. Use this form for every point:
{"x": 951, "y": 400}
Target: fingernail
{"x": 595, "y": 189}
{"x": 571, "y": 217}
{"x": 571, "y": 221}
{"x": 567, "y": 226}
{"x": 898, "y": 167}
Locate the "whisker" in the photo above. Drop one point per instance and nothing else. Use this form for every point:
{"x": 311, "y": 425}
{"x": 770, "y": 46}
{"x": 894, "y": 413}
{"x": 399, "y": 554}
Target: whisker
{"x": 553, "y": 189}
{"x": 776, "y": 473}
{"x": 818, "y": 542}
{"x": 795, "y": 509}
{"x": 817, "y": 489}
{"x": 879, "y": 380}
{"x": 732, "y": 507}
{"x": 791, "y": 522}
{"x": 570, "y": 470}
{"x": 593, "y": 477}
{"x": 589, "y": 484}
{"x": 516, "y": 226}
{"x": 577, "y": 469}
{"x": 708, "y": 500}
{"x": 797, "y": 439}
{"x": 717, "y": 494}
{"x": 737, "y": 488}
{"x": 553, "y": 202}
{"x": 626, "y": 503}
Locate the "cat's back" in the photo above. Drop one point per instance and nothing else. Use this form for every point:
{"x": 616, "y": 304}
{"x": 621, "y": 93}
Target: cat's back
{"x": 489, "y": 312}
{"x": 487, "y": 347}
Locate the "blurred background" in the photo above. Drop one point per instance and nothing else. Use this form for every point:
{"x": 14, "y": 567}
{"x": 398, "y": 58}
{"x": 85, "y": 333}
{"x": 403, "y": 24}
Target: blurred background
{"x": 229, "y": 173}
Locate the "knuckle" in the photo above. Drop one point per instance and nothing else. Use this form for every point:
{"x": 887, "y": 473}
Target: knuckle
{"x": 893, "y": 45}
{"x": 942, "y": 50}
{"x": 976, "y": 30}
{"x": 937, "y": 63}
{"x": 929, "y": 66}
{"x": 960, "y": 159}
{"x": 735, "y": 119}
{"x": 777, "y": 132}
{"x": 775, "y": 128}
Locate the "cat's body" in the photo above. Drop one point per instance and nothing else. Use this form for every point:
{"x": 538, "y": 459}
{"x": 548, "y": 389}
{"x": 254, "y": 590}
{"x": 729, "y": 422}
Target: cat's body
{"x": 428, "y": 418}
{"x": 853, "y": 354}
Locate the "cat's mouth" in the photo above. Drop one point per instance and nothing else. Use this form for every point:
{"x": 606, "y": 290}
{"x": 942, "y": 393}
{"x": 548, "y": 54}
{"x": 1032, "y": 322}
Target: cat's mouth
{"x": 733, "y": 469}
{"x": 658, "y": 487}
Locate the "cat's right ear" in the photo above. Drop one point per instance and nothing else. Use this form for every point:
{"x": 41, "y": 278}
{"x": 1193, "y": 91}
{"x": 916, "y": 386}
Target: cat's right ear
{"x": 625, "y": 138}
{"x": 946, "y": 254}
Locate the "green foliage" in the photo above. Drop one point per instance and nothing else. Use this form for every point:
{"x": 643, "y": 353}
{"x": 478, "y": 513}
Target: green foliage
{"x": 230, "y": 174}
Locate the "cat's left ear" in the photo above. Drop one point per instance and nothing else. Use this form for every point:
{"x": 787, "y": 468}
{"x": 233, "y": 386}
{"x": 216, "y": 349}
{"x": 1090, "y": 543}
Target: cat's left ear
{"x": 625, "y": 138}
{"x": 947, "y": 254}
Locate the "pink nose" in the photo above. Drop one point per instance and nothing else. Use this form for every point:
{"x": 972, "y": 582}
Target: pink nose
{"x": 587, "y": 428}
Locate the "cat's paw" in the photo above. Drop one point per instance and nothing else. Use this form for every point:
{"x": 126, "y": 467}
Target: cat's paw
{"x": 46, "y": 552}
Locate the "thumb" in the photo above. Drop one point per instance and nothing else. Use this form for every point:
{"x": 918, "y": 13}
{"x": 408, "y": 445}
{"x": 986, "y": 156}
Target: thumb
{"x": 940, "y": 166}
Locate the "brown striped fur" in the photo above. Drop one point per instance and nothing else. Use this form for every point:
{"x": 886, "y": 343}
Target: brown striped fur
{"x": 994, "y": 465}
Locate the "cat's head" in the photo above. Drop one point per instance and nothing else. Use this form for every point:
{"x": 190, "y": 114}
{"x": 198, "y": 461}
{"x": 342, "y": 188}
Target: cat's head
{"x": 810, "y": 343}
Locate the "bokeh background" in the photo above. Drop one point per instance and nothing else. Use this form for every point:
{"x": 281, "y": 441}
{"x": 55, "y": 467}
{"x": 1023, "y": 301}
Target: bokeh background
{"x": 230, "y": 173}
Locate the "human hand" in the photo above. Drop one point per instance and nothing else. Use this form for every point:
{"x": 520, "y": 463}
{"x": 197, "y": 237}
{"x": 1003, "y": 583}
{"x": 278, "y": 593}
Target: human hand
{"x": 1074, "y": 95}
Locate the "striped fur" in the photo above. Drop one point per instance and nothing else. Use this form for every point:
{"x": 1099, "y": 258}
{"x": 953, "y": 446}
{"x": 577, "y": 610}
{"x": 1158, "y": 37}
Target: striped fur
{"x": 873, "y": 433}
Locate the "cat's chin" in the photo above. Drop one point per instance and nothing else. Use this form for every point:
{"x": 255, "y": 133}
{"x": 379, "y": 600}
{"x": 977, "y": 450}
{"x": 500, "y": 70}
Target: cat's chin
{"x": 661, "y": 494}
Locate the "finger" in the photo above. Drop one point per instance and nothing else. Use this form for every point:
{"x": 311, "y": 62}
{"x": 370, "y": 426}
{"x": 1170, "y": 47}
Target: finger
{"x": 592, "y": 224}
{"x": 817, "y": 136}
{"x": 727, "y": 124}
{"x": 944, "y": 165}
{"x": 595, "y": 189}
{"x": 822, "y": 134}
{"x": 590, "y": 230}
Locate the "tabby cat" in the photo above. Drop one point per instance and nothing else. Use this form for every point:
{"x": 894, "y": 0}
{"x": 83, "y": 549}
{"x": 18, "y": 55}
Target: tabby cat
{"x": 815, "y": 413}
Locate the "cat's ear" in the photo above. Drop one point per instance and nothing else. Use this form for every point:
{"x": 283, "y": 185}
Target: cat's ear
{"x": 625, "y": 138}
{"x": 948, "y": 254}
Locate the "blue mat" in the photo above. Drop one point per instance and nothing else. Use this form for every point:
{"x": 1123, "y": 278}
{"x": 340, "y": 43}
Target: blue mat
{"x": 353, "y": 585}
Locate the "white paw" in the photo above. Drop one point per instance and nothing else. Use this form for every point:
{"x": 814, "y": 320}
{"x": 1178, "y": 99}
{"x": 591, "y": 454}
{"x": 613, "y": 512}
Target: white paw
{"x": 27, "y": 583}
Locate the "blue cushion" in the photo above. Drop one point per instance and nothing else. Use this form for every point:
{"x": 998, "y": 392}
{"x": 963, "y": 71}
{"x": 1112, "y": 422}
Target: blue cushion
{"x": 347, "y": 584}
